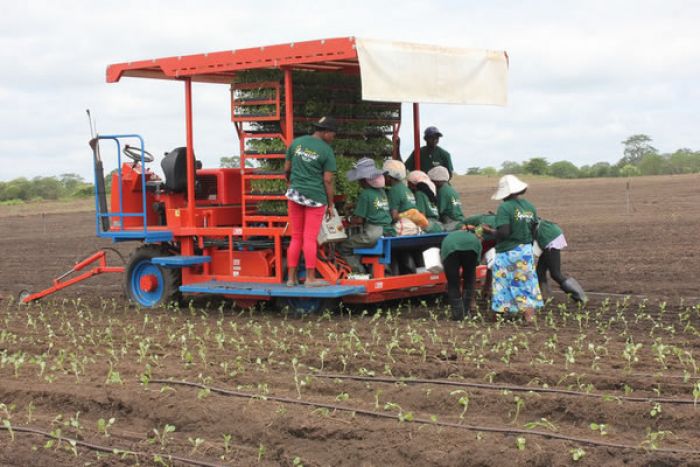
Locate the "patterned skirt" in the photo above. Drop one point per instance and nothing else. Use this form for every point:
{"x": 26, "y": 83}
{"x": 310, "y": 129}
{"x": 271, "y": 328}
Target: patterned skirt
{"x": 515, "y": 285}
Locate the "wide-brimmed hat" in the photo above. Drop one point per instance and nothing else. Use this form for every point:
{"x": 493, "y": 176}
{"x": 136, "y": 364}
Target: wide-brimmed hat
{"x": 326, "y": 124}
{"x": 508, "y": 185}
{"x": 439, "y": 174}
{"x": 432, "y": 131}
{"x": 418, "y": 176}
{"x": 364, "y": 168}
{"x": 395, "y": 169}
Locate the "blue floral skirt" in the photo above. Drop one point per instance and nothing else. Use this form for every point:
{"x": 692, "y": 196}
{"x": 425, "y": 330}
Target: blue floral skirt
{"x": 515, "y": 285}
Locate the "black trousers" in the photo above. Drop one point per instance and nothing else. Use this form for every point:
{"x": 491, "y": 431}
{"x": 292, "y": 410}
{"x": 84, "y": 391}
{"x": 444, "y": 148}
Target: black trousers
{"x": 466, "y": 261}
{"x": 550, "y": 260}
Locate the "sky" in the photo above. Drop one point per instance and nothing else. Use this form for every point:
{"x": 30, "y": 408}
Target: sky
{"x": 583, "y": 76}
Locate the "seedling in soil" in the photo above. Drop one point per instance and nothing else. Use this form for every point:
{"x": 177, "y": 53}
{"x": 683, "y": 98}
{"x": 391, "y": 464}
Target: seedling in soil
{"x": 196, "y": 443}
{"x": 162, "y": 436}
{"x": 599, "y": 427}
{"x": 654, "y": 438}
{"x": 696, "y": 394}
{"x": 261, "y": 452}
{"x": 520, "y": 443}
{"x": 403, "y": 416}
{"x": 577, "y": 454}
{"x": 519, "y": 404}
{"x": 463, "y": 401}
{"x": 541, "y": 423}
{"x": 655, "y": 410}
{"x": 103, "y": 426}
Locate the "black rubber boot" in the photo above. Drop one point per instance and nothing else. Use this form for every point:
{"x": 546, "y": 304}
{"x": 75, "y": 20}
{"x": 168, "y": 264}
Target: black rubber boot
{"x": 456, "y": 308}
{"x": 467, "y": 300}
{"x": 572, "y": 287}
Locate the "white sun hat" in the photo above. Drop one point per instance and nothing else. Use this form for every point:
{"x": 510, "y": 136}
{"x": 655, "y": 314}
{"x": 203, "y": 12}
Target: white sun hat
{"x": 508, "y": 185}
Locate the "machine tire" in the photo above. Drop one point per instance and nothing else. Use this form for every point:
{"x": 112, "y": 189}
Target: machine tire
{"x": 164, "y": 282}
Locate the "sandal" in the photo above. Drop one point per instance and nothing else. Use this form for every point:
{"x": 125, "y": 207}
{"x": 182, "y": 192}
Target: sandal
{"x": 291, "y": 283}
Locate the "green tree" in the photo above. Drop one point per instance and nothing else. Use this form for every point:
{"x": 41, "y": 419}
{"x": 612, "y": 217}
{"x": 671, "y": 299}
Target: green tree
{"x": 473, "y": 171}
{"x": 654, "y": 164}
{"x": 636, "y": 147}
{"x": 629, "y": 170}
{"x": 536, "y": 166}
{"x": 563, "y": 169}
{"x": 684, "y": 161}
{"x": 510, "y": 167}
{"x": 601, "y": 169}
{"x": 489, "y": 171}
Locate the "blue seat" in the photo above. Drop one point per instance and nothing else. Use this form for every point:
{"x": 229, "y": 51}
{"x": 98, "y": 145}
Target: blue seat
{"x": 385, "y": 245}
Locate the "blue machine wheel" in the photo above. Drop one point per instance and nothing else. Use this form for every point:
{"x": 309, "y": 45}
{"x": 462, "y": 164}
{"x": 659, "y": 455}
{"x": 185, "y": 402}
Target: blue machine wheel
{"x": 148, "y": 284}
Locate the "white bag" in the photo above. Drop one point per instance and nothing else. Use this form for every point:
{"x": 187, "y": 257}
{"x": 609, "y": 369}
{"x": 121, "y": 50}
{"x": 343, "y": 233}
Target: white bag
{"x": 405, "y": 226}
{"x": 490, "y": 257}
{"x": 431, "y": 259}
{"x": 536, "y": 249}
{"x": 332, "y": 229}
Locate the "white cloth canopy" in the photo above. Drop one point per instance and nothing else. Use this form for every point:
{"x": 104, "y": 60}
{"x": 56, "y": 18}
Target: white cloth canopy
{"x": 405, "y": 72}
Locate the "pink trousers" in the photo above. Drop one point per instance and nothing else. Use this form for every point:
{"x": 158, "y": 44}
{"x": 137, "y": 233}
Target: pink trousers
{"x": 306, "y": 222}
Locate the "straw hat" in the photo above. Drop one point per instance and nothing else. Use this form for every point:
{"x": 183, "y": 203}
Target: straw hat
{"x": 508, "y": 185}
{"x": 418, "y": 176}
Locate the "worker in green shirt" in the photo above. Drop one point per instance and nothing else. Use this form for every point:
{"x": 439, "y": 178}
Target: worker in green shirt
{"x": 514, "y": 288}
{"x": 371, "y": 212}
{"x": 400, "y": 197}
{"x": 551, "y": 241}
{"x": 448, "y": 202}
{"x": 431, "y": 155}
{"x": 426, "y": 198}
{"x": 460, "y": 251}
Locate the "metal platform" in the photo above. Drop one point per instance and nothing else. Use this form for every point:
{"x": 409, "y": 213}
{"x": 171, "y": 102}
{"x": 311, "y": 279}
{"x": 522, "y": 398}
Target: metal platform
{"x": 180, "y": 261}
{"x": 272, "y": 290}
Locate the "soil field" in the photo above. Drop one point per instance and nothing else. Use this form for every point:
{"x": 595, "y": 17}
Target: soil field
{"x": 87, "y": 379}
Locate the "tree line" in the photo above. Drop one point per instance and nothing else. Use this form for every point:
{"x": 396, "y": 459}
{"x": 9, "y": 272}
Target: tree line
{"x": 45, "y": 188}
{"x": 639, "y": 157}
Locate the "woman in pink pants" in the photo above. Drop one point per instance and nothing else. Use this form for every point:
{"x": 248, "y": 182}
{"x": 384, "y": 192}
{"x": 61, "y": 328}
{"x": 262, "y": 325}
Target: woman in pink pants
{"x": 309, "y": 167}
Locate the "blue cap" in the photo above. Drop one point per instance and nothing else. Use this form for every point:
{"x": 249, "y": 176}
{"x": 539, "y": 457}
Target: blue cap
{"x": 432, "y": 131}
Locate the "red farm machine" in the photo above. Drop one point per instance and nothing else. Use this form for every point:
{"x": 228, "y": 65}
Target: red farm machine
{"x": 207, "y": 230}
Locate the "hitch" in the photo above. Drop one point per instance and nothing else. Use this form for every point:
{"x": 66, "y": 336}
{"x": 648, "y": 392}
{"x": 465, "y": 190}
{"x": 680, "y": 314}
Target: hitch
{"x": 99, "y": 257}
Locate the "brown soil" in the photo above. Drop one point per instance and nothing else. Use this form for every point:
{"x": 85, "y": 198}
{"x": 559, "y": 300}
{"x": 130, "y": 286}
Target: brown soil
{"x": 56, "y": 355}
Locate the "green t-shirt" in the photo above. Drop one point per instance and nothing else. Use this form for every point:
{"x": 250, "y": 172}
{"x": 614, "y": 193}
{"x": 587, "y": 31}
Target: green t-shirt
{"x": 430, "y": 159}
{"x": 546, "y": 232}
{"x": 460, "y": 240}
{"x": 449, "y": 204}
{"x": 373, "y": 206}
{"x": 400, "y": 197}
{"x": 520, "y": 214}
{"x": 310, "y": 157}
{"x": 480, "y": 219}
{"x": 424, "y": 205}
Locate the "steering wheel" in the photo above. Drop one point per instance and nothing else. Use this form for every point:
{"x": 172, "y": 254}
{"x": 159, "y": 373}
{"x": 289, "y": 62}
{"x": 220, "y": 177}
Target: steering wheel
{"x": 135, "y": 154}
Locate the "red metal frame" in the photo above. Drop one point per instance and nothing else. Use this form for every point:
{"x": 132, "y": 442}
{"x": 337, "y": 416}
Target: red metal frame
{"x": 59, "y": 283}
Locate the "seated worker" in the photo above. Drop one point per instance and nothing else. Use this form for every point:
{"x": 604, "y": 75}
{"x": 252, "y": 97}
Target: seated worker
{"x": 461, "y": 249}
{"x": 550, "y": 238}
{"x": 371, "y": 212}
{"x": 448, "y": 203}
{"x": 400, "y": 197}
{"x": 426, "y": 199}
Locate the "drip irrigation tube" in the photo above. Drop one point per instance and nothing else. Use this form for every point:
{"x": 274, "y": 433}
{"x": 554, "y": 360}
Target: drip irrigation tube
{"x": 423, "y": 421}
{"x": 107, "y": 449}
{"x": 500, "y": 387}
